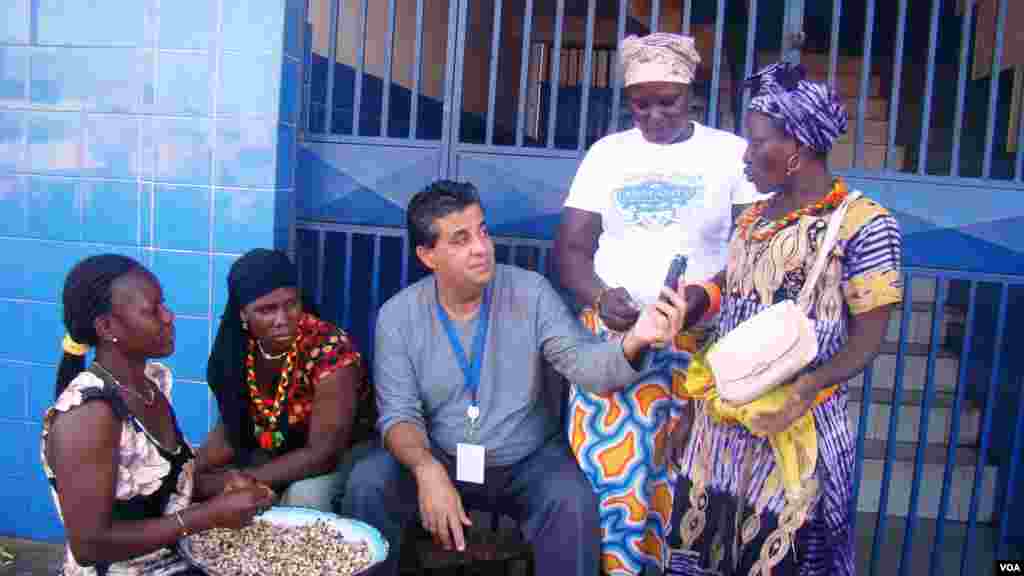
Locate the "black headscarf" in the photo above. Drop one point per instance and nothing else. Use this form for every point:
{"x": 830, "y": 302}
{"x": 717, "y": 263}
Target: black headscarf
{"x": 256, "y": 274}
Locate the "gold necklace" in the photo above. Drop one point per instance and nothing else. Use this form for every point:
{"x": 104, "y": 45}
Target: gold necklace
{"x": 270, "y": 356}
{"x": 147, "y": 401}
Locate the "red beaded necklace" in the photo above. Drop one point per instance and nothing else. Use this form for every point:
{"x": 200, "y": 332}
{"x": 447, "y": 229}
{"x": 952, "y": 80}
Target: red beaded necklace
{"x": 831, "y": 200}
{"x": 268, "y": 411}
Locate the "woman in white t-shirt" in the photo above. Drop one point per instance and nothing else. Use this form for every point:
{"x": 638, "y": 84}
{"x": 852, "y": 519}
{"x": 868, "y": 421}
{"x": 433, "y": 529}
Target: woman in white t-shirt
{"x": 668, "y": 186}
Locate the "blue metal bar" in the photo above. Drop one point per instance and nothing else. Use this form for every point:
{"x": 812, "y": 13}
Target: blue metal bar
{"x": 993, "y": 91}
{"x": 346, "y": 317}
{"x": 374, "y": 288}
{"x": 922, "y": 433}
{"x": 716, "y": 72}
{"x": 986, "y": 428}
{"x": 897, "y": 82}
{"x": 452, "y": 93}
{"x": 1019, "y": 171}
{"x": 332, "y": 58}
{"x": 833, "y": 43}
{"x": 307, "y": 65}
{"x": 542, "y": 261}
{"x": 954, "y": 437}
{"x": 320, "y": 241}
{"x": 687, "y": 15}
{"x": 307, "y": 87}
{"x": 556, "y": 76}
{"x": 512, "y": 250}
{"x": 460, "y": 62}
{"x": 655, "y": 14}
{"x": 926, "y": 114}
{"x": 417, "y": 73}
{"x": 404, "y": 278}
{"x": 357, "y": 98}
{"x": 389, "y": 48}
{"x": 865, "y": 84}
{"x": 524, "y": 71}
{"x": 493, "y": 77}
{"x": 961, "y": 85}
{"x": 897, "y": 401}
{"x": 588, "y": 73}
{"x": 748, "y": 66}
{"x": 862, "y": 429}
{"x": 620, "y": 33}
{"x": 792, "y": 23}
{"x": 1018, "y": 436}
{"x": 529, "y": 151}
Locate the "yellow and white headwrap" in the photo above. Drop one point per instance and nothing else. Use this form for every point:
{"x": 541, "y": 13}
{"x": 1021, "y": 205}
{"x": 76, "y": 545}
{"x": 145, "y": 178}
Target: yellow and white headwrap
{"x": 73, "y": 348}
{"x": 659, "y": 57}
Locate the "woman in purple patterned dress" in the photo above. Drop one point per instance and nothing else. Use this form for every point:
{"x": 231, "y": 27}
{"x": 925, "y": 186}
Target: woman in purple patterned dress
{"x": 742, "y": 505}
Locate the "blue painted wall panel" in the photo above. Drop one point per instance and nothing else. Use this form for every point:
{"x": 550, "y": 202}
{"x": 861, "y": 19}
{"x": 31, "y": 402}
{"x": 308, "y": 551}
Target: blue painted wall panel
{"x": 119, "y": 143}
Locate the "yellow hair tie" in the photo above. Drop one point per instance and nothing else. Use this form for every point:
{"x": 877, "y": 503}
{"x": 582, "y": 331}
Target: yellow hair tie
{"x": 74, "y": 348}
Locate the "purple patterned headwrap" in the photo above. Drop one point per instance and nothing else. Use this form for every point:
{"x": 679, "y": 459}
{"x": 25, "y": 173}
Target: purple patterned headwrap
{"x": 809, "y": 112}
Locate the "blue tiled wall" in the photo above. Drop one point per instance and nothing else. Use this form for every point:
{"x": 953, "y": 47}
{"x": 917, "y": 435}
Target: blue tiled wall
{"x": 161, "y": 130}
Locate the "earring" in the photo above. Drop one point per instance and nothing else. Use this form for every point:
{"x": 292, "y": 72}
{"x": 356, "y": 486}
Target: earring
{"x": 790, "y": 169}
{"x": 245, "y": 325}
{"x": 113, "y": 339}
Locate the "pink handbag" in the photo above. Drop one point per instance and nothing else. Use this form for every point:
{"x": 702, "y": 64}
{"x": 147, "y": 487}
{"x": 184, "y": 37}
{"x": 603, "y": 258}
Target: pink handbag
{"x": 771, "y": 347}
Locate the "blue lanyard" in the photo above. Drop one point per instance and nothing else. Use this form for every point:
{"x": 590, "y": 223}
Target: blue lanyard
{"x": 471, "y": 370}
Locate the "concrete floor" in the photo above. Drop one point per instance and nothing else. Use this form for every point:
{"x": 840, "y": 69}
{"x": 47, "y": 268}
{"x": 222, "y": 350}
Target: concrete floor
{"x": 30, "y": 558}
{"x": 919, "y": 561}
{"x": 38, "y": 559}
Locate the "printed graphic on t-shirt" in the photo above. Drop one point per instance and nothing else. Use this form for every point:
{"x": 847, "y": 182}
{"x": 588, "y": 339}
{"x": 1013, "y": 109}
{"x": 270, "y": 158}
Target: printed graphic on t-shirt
{"x": 658, "y": 200}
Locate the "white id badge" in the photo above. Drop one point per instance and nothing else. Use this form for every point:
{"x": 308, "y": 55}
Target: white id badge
{"x": 469, "y": 463}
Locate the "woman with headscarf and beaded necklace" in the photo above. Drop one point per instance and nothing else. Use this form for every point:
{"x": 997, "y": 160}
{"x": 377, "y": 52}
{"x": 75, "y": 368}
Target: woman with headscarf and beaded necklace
{"x": 767, "y": 488}
{"x": 286, "y": 384}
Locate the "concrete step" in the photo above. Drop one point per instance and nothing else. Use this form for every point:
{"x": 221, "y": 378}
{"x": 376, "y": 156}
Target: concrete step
{"x": 875, "y": 131}
{"x": 817, "y": 62}
{"x": 909, "y": 424}
{"x": 915, "y": 363}
{"x": 919, "y": 329}
{"x": 981, "y": 555}
{"x": 922, "y": 289}
{"x": 875, "y": 109}
{"x": 876, "y": 123}
{"x": 962, "y": 484}
{"x": 848, "y": 71}
{"x": 848, "y": 85}
{"x": 841, "y": 157}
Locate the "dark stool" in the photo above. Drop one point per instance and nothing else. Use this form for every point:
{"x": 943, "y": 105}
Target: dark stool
{"x": 488, "y": 550}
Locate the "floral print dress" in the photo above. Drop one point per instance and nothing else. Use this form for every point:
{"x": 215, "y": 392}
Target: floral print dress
{"x": 152, "y": 481}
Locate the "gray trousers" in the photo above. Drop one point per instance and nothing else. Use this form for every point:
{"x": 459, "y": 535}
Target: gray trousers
{"x": 546, "y": 492}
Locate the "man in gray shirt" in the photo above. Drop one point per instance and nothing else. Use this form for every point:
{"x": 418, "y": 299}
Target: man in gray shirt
{"x": 458, "y": 370}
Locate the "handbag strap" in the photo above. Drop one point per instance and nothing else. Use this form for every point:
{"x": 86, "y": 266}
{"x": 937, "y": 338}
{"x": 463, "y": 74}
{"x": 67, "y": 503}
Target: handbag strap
{"x": 831, "y": 235}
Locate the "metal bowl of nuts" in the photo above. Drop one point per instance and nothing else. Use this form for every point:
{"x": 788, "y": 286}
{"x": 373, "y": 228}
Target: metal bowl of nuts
{"x": 286, "y": 541}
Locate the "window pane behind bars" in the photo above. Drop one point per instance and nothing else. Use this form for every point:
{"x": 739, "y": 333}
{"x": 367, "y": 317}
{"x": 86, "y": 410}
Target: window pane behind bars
{"x": 371, "y": 56}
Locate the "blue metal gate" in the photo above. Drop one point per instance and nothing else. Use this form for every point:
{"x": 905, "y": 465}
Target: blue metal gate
{"x": 510, "y": 93}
